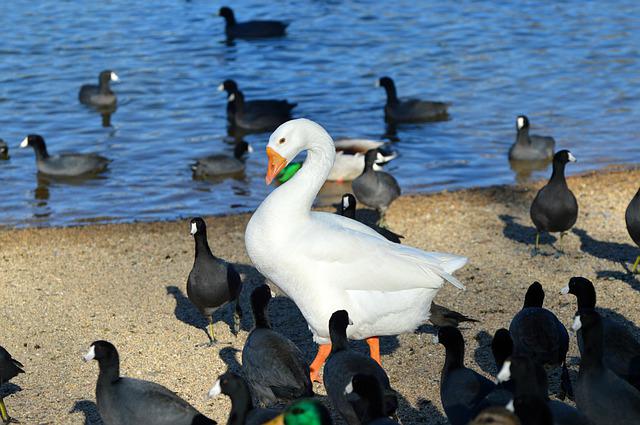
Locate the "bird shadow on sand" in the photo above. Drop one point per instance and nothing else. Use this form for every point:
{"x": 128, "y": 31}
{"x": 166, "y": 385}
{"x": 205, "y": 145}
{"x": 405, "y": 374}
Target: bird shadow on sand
{"x": 482, "y": 353}
{"x": 612, "y": 251}
{"x": 185, "y": 311}
{"x": 523, "y": 234}
{"x": 89, "y": 410}
{"x": 229, "y": 355}
{"x": 9, "y": 389}
{"x": 424, "y": 412}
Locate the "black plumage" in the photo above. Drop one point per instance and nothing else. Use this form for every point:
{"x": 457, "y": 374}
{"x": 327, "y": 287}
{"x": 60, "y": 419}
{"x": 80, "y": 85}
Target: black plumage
{"x": 462, "y": 390}
{"x": 369, "y": 405}
{"x": 343, "y": 364}
{"x": 242, "y": 410}
{"x": 256, "y": 116}
{"x": 274, "y": 367}
{"x": 212, "y": 281}
{"x": 280, "y": 107}
{"x": 632, "y": 219}
{"x": 410, "y": 110}
{"x": 99, "y": 95}
{"x": 376, "y": 189}
{"x": 250, "y": 29}
{"x": 501, "y": 348}
{"x": 348, "y": 209}
{"x": 555, "y": 209}
{"x": 530, "y": 379}
{"x": 9, "y": 369}
{"x": 4, "y": 150}
{"x": 538, "y": 334}
{"x": 530, "y": 147}
{"x": 621, "y": 349}
{"x": 532, "y": 410}
{"x": 128, "y": 401}
{"x": 442, "y": 316}
{"x": 603, "y": 397}
{"x": 64, "y": 164}
{"x": 221, "y": 164}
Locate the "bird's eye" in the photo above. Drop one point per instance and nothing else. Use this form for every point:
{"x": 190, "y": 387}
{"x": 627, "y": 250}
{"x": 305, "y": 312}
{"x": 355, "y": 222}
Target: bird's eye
{"x": 281, "y": 141}
{"x": 297, "y": 411}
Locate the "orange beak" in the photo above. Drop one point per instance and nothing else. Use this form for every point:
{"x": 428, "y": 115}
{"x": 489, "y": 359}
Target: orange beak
{"x": 276, "y": 164}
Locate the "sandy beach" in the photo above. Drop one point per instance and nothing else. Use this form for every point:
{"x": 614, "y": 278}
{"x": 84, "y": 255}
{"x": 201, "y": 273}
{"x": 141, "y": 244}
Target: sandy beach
{"x": 63, "y": 288}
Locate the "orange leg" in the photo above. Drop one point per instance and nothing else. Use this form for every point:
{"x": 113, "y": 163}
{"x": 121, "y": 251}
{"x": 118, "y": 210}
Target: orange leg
{"x": 323, "y": 352}
{"x": 374, "y": 349}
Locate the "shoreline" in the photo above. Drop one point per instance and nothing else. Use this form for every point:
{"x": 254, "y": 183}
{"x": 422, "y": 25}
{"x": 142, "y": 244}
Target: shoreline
{"x": 324, "y": 206}
{"x": 64, "y": 287}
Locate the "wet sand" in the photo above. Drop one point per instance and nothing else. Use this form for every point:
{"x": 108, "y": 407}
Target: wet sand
{"x": 62, "y": 288}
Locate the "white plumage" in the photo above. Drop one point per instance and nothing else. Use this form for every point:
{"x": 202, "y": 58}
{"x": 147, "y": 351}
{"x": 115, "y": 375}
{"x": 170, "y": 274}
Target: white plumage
{"x": 325, "y": 262}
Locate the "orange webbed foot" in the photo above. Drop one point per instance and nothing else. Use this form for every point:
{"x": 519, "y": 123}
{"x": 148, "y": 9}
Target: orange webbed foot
{"x": 314, "y": 369}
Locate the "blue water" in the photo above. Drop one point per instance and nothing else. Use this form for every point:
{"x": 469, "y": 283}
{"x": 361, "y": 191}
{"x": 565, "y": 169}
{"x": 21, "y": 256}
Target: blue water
{"x": 572, "y": 67}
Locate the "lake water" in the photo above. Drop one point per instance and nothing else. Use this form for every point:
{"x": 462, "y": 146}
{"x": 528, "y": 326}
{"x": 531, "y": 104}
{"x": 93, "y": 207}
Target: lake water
{"x": 573, "y": 67}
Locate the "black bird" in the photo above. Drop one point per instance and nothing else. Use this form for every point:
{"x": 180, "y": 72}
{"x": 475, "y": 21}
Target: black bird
{"x": 530, "y": 148}
{"x": 250, "y": 29}
{"x": 343, "y": 364}
{"x": 529, "y": 378}
{"x": 537, "y": 333}
{"x": 555, "y": 209}
{"x": 410, "y": 110}
{"x": 4, "y": 150}
{"x": 264, "y": 106}
{"x": 256, "y": 117}
{"x": 621, "y": 350}
{"x": 99, "y": 95}
{"x": 9, "y": 369}
{"x": 462, "y": 390}
{"x": 65, "y": 164}
{"x": 442, "y": 316}
{"x": 603, "y": 397}
{"x": 632, "y": 218}
{"x": 376, "y": 189}
{"x": 212, "y": 281}
{"x": 348, "y": 209}
{"x": 502, "y": 349}
{"x": 532, "y": 410}
{"x": 242, "y": 410}
{"x": 128, "y": 401}
{"x": 222, "y": 164}
{"x": 370, "y": 403}
{"x": 273, "y": 366}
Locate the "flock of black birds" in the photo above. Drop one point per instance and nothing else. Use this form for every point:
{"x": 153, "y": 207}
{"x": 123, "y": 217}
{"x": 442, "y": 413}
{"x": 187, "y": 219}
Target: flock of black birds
{"x": 274, "y": 370}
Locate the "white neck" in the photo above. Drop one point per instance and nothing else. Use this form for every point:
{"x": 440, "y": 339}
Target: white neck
{"x": 296, "y": 196}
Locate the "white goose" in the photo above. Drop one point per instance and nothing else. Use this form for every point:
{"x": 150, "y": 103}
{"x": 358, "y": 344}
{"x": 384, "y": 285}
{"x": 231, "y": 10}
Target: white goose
{"x": 326, "y": 262}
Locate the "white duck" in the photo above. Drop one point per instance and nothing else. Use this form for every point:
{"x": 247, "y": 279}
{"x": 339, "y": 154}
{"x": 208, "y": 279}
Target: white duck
{"x": 349, "y": 161}
{"x": 326, "y": 262}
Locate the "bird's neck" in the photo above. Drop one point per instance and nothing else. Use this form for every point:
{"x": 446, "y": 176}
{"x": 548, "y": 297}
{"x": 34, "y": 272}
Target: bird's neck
{"x": 260, "y": 317}
{"x": 295, "y": 197}
{"x": 339, "y": 341}
{"x": 454, "y": 357}
{"x": 202, "y": 246}
{"x": 392, "y": 95}
{"x": 557, "y": 177}
{"x": 522, "y": 137}
{"x": 109, "y": 370}
{"x": 241, "y": 405}
{"x": 41, "y": 151}
{"x": 593, "y": 349}
{"x": 587, "y": 300}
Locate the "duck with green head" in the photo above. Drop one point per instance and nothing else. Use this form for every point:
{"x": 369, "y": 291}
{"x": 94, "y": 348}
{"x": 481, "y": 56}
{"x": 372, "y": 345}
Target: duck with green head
{"x": 303, "y": 412}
